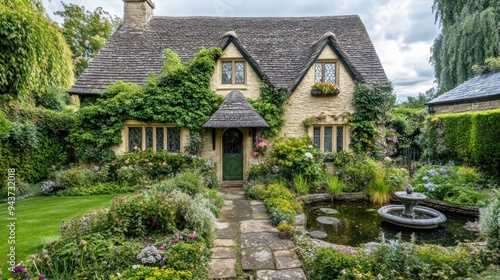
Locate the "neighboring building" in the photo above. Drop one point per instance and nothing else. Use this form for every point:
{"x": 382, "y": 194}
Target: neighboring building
{"x": 288, "y": 53}
{"x": 477, "y": 94}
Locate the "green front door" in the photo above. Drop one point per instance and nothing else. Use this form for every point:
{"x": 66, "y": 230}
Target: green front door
{"x": 232, "y": 155}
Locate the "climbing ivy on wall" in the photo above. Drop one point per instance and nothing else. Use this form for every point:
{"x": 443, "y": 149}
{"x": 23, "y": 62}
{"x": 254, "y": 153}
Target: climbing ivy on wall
{"x": 371, "y": 102}
{"x": 181, "y": 94}
{"x": 270, "y": 106}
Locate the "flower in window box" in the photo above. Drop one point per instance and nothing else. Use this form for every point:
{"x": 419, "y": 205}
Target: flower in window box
{"x": 325, "y": 89}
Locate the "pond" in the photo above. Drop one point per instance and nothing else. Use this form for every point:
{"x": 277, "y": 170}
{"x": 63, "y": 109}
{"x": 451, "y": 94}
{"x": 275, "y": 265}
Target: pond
{"x": 359, "y": 222}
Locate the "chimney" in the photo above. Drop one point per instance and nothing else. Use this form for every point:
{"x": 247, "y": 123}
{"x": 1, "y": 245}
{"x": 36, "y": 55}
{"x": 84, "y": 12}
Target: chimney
{"x": 137, "y": 13}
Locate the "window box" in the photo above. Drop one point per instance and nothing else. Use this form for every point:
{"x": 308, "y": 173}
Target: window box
{"x": 325, "y": 89}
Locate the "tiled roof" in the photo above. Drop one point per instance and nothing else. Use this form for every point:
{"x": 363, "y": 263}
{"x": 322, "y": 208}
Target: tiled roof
{"x": 235, "y": 111}
{"x": 484, "y": 86}
{"x": 280, "y": 49}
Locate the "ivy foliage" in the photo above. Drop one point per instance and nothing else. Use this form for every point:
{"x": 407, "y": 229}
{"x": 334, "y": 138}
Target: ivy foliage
{"x": 470, "y": 34}
{"x": 468, "y": 138}
{"x": 372, "y": 103}
{"x": 270, "y": 106}
{"x": 181, "y": 95}
{"x": 34, "y": 55}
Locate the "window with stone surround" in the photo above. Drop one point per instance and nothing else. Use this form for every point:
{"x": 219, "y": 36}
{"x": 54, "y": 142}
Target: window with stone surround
{"x": 329, "y": 138}
{"x": 233, "y": 72}
{"x": 325, "y": 72}
{"x": 154, "y": 137}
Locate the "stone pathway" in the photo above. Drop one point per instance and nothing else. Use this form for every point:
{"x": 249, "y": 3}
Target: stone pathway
{"x": 247, "y": 246}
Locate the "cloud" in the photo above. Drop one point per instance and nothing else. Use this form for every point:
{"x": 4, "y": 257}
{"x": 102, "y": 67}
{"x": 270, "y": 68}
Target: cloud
{"x": 402, "y": 31}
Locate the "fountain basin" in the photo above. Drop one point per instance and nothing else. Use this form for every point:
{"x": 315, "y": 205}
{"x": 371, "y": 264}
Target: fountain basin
{"x": 425, "y": 217}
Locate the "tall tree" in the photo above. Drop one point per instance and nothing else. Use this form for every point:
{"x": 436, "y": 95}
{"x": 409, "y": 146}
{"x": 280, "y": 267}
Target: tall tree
{"x": 33, "y": 54}
{"x": 419, "y": 101}
{"x": 470, "y": 34}
{"x": 86, "y": 32}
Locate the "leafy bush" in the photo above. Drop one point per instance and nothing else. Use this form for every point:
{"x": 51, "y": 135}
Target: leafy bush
{"x": 188, "y": 182}
{"x": 55, "y": 99}
{"x": 139, "y": 272}
{"x": 490, "y": 223}
{"x": 334, "y": 186}
{"x": 300, "y": 184}
{"x": 330, "y": 263}
{"x": 5, "y": 126}
{"x": 356, "y": 171}
{"x": 450, "y": 183}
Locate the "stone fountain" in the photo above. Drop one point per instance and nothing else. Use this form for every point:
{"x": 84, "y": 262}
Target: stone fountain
{"x": 409, "y": 214}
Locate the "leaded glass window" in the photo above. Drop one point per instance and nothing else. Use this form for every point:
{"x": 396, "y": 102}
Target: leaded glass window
{"x": 159, "y": 139}
{"x": 318, "y": 72}
{"x": 134, "y": 138}
{"x": 227, "y": 72}
{"x": 173, "y": 140}
{"x": 340, "y": 138}
{"x": 317, "y": 137}
{"x": 239, "y": 72}
{"x": 325, "y": 72}
{"x": 149, "y": 137}
{"x": 330, "y": 73}
{"x": 328, "y": 140}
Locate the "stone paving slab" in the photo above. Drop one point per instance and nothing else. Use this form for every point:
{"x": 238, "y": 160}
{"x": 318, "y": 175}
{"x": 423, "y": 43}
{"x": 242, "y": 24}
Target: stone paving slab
{"x": 229, "y": 196}
{"x": 257, "y": 226}
{"x": 223, "y": 253}
{"x": 226, "y": 234}
{"x": 259, "y": 208}
{"x": 223, "y": 225}
{"x": 265, "y": 239}
{"x": 287, "y": 259}
{"x": 221, "y": 269}
{"x": 284, "y": 274}
{"x": 257, "y": 258}
{"x": 256, "y": 202}
{"x": 224, "y": 243}
{"x": 260, "y": 216}
{"x": 235, "y": 216}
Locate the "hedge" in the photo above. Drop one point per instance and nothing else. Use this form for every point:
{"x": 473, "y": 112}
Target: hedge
{"x": 468, "y": 138}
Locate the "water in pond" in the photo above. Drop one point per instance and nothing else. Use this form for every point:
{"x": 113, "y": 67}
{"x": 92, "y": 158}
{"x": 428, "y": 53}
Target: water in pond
{"x": 360, "y": 223}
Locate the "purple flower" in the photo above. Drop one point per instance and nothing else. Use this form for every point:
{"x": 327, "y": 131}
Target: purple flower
{"x": 163, "y": 246}
{"x": 432, "y": 173}
{"x": 443, "y": 170}
{"x": 192, "y": 235}
{"x": 42, "y": 277}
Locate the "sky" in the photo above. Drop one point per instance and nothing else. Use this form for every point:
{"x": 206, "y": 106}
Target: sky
{"x": 402, "y": 31}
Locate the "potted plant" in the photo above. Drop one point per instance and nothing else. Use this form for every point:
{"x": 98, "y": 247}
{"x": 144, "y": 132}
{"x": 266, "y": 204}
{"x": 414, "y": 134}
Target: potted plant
{"x": 325, "y": 89}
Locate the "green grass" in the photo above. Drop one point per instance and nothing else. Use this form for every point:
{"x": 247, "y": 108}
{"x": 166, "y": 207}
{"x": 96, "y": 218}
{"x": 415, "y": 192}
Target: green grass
{"x": 39, "y": 221}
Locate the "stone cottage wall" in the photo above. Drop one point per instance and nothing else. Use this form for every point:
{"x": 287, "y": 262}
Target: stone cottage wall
{"x": 467, "y": 107}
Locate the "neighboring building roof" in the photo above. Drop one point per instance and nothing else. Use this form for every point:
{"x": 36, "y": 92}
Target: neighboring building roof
{"x": 235, "y": 111}
{"x": 280, "y": 50}
{"x": 483, "y": 87}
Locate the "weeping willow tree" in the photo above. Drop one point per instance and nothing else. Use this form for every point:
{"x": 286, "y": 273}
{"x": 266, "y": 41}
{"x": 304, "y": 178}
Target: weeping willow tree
{"x": 33, "y": 54}
{"x": 470, "y": 33}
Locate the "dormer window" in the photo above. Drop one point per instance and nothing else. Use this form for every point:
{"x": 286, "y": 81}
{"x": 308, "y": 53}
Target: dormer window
{"x": 233, "y": 72}
{"x": 325, "y": 72}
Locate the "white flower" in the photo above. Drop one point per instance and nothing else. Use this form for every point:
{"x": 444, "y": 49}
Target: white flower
{"x": 135, "y": 266}
{"x": 308, "y": 155}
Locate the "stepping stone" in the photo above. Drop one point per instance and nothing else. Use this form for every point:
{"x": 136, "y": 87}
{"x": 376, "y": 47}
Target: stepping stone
{"x": 271, "y": 240}
{"x": 284, "y": 274}
{"x": 221, "y": 269}
{"x": 223, "y": 253}
{"x": 318, "y": 234}
{"x": 226, "y": 234}
{"x": 228, "y": 203}
{"x": 227, "y": 208}
{"x": 257, "y": 258}
{"x": 327, "y": 220}
{"x": 257, "y": 226}
{"x": 256, "y": 202}
{"x": 235, "y": 216}
{"x": 287, "y": 259}
{"x": 328, "y": 211}
{"x": 230, "y": 196}
{"x": 224, "y": 243}
{"x": 222, "y": 225}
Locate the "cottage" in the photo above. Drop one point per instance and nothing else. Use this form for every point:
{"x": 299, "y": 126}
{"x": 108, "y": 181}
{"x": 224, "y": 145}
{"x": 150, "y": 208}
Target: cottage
{"x": 480, "y": 93}
{"x": 290, "y": 53}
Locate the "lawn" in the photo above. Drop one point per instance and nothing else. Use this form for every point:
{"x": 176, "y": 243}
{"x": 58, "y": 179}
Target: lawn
{"x": 39, "y": 221}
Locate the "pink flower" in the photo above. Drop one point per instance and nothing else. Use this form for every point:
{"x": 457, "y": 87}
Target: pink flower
{"x": 163, "y": 246}
{"x": 255, "y": 154}
{"x": 192, "y": 235}
{"x": 261, "y": 145}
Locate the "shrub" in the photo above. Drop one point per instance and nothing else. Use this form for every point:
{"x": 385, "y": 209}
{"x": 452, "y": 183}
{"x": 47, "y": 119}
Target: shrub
{"x": 5, "y": 126}
{"x": 334, "y": 186}
{"x": 300, "y": 184}
{"x": 55, "y": 99}
{"x": 490, "y": 223}
{"x": 330, "y": 263}
{"x": 188, "y": 182}
{"x": 139, "y": 272}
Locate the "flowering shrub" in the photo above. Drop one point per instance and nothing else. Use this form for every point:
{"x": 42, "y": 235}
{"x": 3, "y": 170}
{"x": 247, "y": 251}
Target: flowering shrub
{"x": 386, "y": 146}
{"x": 490, "y": 223}
{"x": 326, "y": 88}
{"x": 259, "y": 147}
{"x": 450, "y": 183}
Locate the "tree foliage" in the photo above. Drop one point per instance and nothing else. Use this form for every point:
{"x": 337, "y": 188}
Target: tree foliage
{"x": 34, "y": 55}
{"x": 470, "y": 34}
{"x": 86, "y": 32}
{"x": 420, "y": 100}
